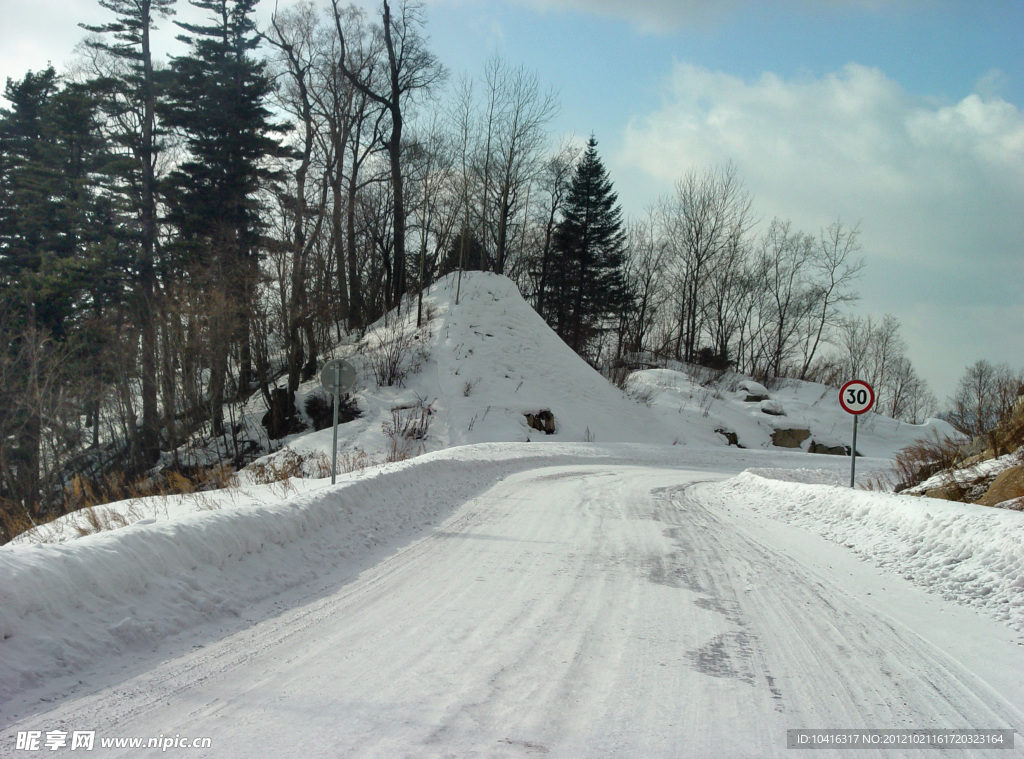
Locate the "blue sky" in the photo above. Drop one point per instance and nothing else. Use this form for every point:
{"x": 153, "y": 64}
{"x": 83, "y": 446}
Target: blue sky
{"x": 904, "y": 116}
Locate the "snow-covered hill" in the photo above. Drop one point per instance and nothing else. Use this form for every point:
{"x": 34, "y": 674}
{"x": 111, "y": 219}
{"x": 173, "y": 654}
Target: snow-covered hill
{"x": 484, "y": 364}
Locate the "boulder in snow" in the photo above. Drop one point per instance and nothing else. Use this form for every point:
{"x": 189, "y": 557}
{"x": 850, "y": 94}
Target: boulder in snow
{"x": 829, "y": 450}
{"x": 1007, "y": 486}
{"x": 754, "y": 391}
{"x": 543, "y": 421}
{"x": 789, "y": 438}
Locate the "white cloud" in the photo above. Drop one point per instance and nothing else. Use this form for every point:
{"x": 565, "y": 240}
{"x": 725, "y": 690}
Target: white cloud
{"x": 852, "y": 142}
{"x": 938, "y": 187}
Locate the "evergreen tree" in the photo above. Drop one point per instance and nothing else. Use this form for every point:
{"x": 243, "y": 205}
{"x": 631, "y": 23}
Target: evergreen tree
{"x": 587, "y": 284}
{"x": 51, "y": 253}
{"x": 130, "y": 99}
{"x": 217, "y": 97}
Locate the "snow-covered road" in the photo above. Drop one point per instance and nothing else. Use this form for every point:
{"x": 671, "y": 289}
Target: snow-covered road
{"x": 570, "y": 611}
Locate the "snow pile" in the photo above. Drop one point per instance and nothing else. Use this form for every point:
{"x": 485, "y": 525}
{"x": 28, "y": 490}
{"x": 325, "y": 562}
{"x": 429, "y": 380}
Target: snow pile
{"x": 63, "y": 606}
{"x": 971, "y": 554}
{"x": 482, "y": 366}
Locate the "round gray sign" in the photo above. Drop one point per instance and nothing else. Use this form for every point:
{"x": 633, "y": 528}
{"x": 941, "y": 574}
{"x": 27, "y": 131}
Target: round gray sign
{"x": 338, "y": 375}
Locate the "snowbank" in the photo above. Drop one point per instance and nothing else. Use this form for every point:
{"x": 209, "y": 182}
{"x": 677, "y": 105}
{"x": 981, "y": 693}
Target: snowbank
{"x": 64, "y": 605}
{"x": 971, "y": 554}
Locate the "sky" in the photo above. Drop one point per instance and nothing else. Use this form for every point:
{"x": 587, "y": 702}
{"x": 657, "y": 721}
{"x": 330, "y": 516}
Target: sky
{"x": 901, "y": 116}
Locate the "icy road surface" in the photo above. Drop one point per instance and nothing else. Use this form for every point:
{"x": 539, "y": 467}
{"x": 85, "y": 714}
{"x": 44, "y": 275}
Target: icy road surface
{"x": 573, "y": 611}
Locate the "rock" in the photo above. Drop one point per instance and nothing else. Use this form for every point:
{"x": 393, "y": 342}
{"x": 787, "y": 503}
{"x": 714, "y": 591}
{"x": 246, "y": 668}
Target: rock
{"x": 543, "y": 421}
{"x": 1008, "y": 485}
{"x": 829, "y": 450}
{"x": 789, "y": 438}
{"x": 773, "y": 408}
{"x": 731, "y": 437}
{"x": 755, "y": 391}
{"x": 951, "y": 491}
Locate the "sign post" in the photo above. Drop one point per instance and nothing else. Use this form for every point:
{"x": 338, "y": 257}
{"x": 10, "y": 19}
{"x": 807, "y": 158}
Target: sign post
{"x": 856, "y": 397}
{"x": 337, "y": 376}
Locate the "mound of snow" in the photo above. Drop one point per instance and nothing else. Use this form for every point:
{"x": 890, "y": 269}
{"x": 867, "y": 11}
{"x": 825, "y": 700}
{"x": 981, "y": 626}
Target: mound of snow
{"x": 64, "y": 606}
{"x": 971, "y": 554}
{"x": 480, "y": 367}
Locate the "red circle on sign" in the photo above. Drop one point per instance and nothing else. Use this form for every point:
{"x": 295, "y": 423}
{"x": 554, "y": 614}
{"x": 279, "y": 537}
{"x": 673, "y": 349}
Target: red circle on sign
{"x": 856, "y": 397}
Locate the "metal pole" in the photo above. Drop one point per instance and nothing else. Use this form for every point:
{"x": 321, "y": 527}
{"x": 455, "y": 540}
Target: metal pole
{"x": 853, "y": 455}
{"x": 334, "y": 447}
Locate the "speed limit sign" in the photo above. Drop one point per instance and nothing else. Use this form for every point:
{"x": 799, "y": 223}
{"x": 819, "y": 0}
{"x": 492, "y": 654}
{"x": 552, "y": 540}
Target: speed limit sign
{"x": 856, "y": 397}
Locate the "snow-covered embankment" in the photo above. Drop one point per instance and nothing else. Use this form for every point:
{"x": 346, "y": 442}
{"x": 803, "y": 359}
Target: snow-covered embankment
{"x": 971, "y": 554}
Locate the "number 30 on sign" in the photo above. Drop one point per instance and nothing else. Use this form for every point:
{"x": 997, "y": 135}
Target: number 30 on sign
{"x": 856, "y": 397}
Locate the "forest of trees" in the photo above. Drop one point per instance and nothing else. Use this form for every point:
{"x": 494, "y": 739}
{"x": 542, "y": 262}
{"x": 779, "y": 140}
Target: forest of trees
{"x": 175, "y": 236}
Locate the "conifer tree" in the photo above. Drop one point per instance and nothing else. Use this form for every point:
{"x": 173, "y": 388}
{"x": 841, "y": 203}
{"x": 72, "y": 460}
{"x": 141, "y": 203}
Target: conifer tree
{"x": 130, "y": 101}
{"x": 50, "y": 257}
{"x": 587, "y": 284}
{"x": 217, "y": 100}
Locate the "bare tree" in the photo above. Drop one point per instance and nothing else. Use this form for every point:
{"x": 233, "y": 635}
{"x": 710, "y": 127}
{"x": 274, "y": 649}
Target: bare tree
{"x": 436, "y": 201}
{"x": 412, "y": 68}
{"x": 833, "y": 270}
{"x": 874, "y": 351}
{"x": 517, "y": 114}
{"x": 293, "y": 35}
{"x": 984, "y": 396}
{"x": 645, "y": 272}
{"x": 784, "y": 258}
{"x": 705, "y": 218}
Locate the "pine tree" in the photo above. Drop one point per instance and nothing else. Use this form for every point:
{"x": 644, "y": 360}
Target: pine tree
{"x": 130, "y": 100}
{"x": 217, "y": 97}
{"x": 587, "y": 284}
{"x": 51, "y": 255}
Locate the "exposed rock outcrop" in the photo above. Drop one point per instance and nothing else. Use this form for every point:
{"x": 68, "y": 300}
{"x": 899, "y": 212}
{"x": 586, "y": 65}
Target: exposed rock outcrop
{"x": 543, "y": 421}
{"x": 829, "y": 450}
{"x": 731, "y": 437}
{"x": 1007, "y": 486}
{"x": 790, "y": 438}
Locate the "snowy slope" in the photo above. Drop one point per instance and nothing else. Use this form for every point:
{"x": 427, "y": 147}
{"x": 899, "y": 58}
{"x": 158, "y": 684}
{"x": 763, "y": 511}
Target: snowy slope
{"x": 489, "y": 360}
{"x": 697, "y": 403}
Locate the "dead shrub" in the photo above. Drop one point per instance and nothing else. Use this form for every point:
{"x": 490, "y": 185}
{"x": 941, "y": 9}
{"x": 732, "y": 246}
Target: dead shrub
{"x": 290, "y": 464}
{"x": 395, "y": 348}
{"x": 925, "y": 458}
{"x": 408, "y": 426}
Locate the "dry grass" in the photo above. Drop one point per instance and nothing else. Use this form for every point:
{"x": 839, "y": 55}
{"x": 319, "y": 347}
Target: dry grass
{"x": 100, "y": 518}
{"x": 406, "y": 430}
{"x": 925, "y": 458}
{"x": 14, "y": 520}
{"x": 354, "y": 461}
